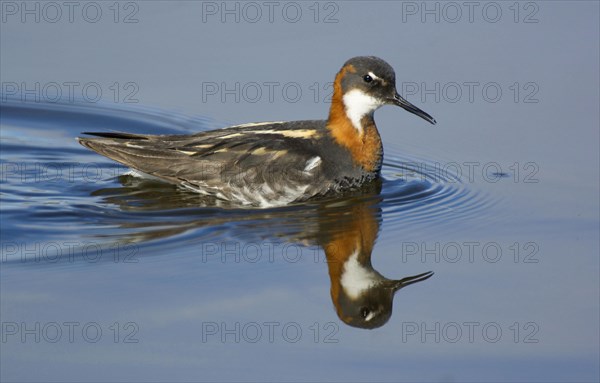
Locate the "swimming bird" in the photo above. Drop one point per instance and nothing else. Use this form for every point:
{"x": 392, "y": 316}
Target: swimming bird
{"x": 269, "y": 164}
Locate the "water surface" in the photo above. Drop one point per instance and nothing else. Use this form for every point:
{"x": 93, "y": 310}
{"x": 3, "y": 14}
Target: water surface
{"x": 106, "y": 277}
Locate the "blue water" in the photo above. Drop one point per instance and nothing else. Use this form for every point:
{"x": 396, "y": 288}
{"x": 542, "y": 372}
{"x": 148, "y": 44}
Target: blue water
{"x": 108, "y": 277}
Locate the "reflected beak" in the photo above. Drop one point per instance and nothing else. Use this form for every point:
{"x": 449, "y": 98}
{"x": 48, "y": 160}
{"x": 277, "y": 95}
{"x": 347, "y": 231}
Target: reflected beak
{"x": 397, "y": 285}
{"x": 401, "y": 102}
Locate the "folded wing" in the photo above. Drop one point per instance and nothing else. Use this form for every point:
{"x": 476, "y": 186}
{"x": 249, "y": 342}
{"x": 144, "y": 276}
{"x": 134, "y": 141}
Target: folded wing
{"x": 258, "y": 164}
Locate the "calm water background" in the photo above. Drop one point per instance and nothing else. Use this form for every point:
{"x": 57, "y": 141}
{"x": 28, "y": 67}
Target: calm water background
{"x": 516, "y": 170}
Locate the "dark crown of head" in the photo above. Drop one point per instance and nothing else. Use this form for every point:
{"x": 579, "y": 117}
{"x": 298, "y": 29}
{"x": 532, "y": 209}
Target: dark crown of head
{"x": 375, "y": 65}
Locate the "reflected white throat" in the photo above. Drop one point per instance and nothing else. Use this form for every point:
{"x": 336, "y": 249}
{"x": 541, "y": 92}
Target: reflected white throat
{"x": 356, "y": 279}
{"x": 359, "y": 104}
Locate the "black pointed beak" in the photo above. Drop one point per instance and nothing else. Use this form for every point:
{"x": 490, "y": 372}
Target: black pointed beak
{"x": 401, "y": 102}
{"x": 397, "y": 285}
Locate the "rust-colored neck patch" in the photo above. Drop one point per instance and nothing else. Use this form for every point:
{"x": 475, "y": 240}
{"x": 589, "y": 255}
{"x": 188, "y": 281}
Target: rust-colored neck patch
{"x": 366, "y": 148}
{"x": 357, "y": 233}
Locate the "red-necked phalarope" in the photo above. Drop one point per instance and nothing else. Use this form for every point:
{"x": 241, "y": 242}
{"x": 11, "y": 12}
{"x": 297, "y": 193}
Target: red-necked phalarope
{"x": 275, "y": 163}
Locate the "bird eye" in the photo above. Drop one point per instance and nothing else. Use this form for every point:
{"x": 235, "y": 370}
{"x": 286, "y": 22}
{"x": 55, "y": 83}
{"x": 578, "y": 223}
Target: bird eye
{"x": 364, "y": 312}
{"x": 367, "y": 78}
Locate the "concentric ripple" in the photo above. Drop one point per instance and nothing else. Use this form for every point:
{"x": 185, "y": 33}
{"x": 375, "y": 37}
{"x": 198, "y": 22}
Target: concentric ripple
{"x": 52, "y": 188}
{"x": 421, "y": 191}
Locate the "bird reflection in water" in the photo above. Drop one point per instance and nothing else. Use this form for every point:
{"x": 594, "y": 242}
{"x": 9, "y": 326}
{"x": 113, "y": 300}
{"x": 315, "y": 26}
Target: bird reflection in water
{"x": 346, "y": 228}
{"x": 361, "y": 295}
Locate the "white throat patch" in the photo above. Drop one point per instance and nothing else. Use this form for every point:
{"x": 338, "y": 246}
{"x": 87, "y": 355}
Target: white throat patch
{"x": 356, "y": 279}
{"x": 359, "y": 104}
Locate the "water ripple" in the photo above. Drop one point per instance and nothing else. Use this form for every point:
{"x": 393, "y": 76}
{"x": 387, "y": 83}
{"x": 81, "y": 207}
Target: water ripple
{"x": 53, "y": 188}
